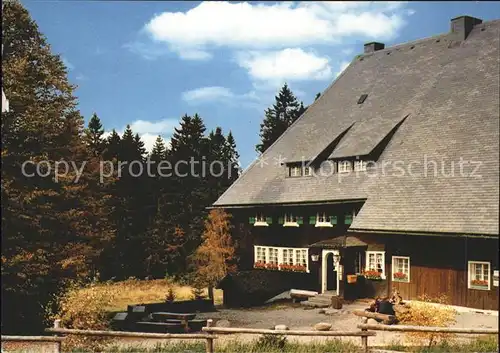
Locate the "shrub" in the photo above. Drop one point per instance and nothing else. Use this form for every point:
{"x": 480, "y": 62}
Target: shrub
{"x": 84, "y": 308}
{"x": 423, "y": 313}
{"x": 197, "y": 293}
{"x": 271, "y": 342}
{"x": 170, "y": 297}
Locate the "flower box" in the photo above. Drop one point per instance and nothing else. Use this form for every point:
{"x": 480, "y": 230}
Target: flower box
{"x": 259, "y": 265}
{"x": 373, "y": 275}
{"x": 271, "y": 266}
{"x": 293, "y": 268}
{"x": 479, "y": 283}
{"x": 400, "y": 277}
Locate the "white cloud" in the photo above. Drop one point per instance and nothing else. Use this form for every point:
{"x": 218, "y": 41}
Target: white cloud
{"x": 264, "y": 26}
{"x": 149, "y": 131}
{"x": 343, "y": 66}
{"x": 218, "y": 94}
{"x": 347, "y": 51}
{"x": 67, "y": 63}
{"x": 81, "y": 77}
{"x": 293, "y": 64}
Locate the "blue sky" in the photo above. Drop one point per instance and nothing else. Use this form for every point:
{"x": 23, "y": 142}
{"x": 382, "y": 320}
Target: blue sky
{"x": 148, "y": 63}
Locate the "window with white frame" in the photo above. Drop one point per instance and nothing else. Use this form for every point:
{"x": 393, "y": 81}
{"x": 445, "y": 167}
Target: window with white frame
{"x": 260, "y": 217}
{"x": 290, "y": 218}
{"x": 281, "y": 256}
{"x": 273, "y": 255}
{"x": 288, "y": 256}
{"x": 295, "y": 171}
{"x": 323, "y": 220}
{"x": 301, "y": 257}
{"x": 479, "y": 275}
{"x": 260, "y": 254}
{"x": 307, "y": 171}
{"x": 375, "y": 261}
{"x": 359, "y": 165}
{"x": 344, "y": 166}
{"x": 401, "y": 269}
{"x": 260, "y": 220}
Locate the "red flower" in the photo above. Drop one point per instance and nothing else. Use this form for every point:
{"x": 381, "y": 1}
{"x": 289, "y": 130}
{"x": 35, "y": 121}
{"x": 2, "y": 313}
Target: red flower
{"x": 400, "y": 275}
{"x": 478, "y": 282}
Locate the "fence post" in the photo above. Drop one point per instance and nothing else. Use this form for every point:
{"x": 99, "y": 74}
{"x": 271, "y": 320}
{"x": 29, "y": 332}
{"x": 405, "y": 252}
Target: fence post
{"x": 364, "y": 339}
{"x": 210, "y": 340}
{"x": 57, "y": 324}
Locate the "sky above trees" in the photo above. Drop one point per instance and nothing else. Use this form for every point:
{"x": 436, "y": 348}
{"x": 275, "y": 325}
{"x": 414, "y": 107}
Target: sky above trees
{"x": 148, "y": 63}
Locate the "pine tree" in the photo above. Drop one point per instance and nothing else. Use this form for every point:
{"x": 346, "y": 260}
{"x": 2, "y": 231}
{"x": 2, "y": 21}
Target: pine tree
{"x": 215, "y": 257}
{"x": 112, "y": 143}
{"x": 93, "y": 135}
{"x": 278, "y": 118}
{"x": 159, "y": 150}
{"x": 233, "y": 156}
{"x": 52, "y": 230}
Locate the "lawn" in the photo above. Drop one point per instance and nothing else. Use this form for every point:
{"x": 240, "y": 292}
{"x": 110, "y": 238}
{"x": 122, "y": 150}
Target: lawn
{"x": 143, "y": 292}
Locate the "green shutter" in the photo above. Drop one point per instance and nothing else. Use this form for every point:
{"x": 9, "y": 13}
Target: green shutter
{"x": 251, "y": 220}
{"x": 312, "y": 219}
{"x": 269, "y": 220}
{"x": 333, "y": 220}
{"x": 348, "y": 219}
{"x": 281, "y": 220}
{"x": 300, "y": 220}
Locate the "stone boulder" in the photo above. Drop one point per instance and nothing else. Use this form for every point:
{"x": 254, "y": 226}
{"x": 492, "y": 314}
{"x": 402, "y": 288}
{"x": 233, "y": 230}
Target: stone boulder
{"x": 223, "y": 323}
{"x": 281, "y": 327}
{"x": 322, "y": 326}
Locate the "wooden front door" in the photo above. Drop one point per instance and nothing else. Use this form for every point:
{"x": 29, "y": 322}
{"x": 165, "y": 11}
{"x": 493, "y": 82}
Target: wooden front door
{"x": 331, "y": 273}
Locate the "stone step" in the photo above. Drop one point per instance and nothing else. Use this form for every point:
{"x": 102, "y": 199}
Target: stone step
{"x": 321, "y": 299}
{"x": 314, "y": 305}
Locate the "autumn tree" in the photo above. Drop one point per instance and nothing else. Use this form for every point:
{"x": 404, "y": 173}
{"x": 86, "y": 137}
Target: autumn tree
{"x": 215, "y": 257}
{"x": 53, "y": 226}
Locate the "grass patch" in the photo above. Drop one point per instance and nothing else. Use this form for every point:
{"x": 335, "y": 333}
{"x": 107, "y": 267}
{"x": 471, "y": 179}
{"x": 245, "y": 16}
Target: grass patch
{"x": 484, "y": 344}
{"x": 144, "y": 292}
{"x": 256, "y": 346}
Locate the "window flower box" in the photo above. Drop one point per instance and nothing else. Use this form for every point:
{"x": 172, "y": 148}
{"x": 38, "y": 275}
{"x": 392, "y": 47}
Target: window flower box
{"x": 293, "y": 268}
{"x": 260, "y": 265}
{"x": 272, "y": 266}
{"x": 479, "y": 283}
{"x": 373, "y": 275}
{"x": 400, "y": 277}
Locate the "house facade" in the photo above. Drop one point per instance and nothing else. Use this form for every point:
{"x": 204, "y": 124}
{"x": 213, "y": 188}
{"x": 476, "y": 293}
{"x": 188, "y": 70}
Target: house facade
{"x": 390, "y": 179}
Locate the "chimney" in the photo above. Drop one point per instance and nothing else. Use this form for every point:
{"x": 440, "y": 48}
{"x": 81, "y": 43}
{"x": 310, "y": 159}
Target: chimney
{"x": 373, "y": 46}
{"x": 462, "y": 26}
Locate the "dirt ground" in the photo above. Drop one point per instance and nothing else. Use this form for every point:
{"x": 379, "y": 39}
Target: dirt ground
{"x": 296, "y": 317}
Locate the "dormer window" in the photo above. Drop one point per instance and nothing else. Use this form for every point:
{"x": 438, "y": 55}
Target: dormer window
{"x": 260, "y": 220}
{"x": 359, "y": 166}
{"x": 295, "y": 171}
{"x": 345, "y": 166}
{"x": 298, "y": 171}
{"x": 322, "y": 220}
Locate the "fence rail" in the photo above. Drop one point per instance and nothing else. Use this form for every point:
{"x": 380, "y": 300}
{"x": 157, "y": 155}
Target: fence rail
{"x": 430, "y": 329}
{"x": 209, "y": 333}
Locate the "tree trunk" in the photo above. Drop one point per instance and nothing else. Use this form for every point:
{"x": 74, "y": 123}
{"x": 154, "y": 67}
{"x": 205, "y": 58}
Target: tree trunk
{"x": 211, "y": 293}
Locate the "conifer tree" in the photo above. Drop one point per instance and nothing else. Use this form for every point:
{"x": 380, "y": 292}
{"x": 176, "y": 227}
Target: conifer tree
{"x": 93, "y": 135}
{"x": 278, "y": 118}
{"x": 112, "y": 143}
{"x": 159, "y": 150}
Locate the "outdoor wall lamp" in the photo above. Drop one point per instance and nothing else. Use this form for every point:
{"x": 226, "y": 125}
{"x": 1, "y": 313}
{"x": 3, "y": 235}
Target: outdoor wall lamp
{"x": 315, "y": 258}
{"x": 336, "y": 258}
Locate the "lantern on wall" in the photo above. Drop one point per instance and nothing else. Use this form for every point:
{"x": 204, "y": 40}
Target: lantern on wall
{"x": 315, "y": 257}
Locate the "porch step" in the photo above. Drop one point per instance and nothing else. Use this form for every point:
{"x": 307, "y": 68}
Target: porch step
{"x": 323, "y": 300}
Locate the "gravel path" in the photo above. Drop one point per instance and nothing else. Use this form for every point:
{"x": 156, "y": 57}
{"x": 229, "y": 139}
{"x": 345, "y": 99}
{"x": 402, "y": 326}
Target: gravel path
{"x": 296, "y": 317}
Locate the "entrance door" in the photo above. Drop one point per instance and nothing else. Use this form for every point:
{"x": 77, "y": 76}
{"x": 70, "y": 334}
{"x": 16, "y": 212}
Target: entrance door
{"x": 331, "y": 273}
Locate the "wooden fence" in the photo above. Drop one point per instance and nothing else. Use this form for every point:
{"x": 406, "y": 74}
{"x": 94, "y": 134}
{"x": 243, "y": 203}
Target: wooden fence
{"x": 209, "y": 333}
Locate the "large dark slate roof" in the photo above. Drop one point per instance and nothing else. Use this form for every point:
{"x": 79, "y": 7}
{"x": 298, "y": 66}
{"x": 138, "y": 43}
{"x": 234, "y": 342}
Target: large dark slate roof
{"x": 450, "y": 92}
